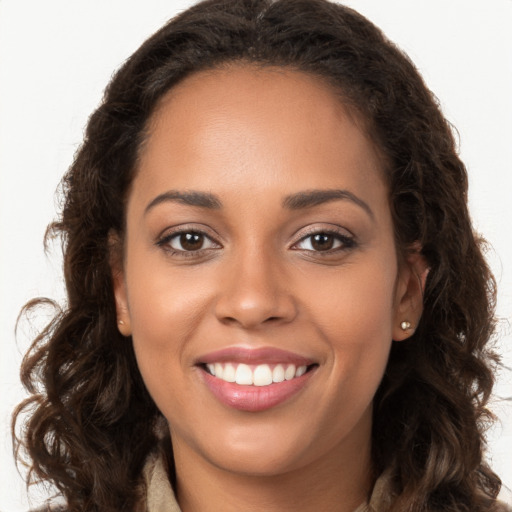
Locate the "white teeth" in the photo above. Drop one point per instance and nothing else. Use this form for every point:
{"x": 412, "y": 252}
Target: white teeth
{"x": 219, "y": 371}
{"x": 229, "y": 374}
{"x": 278, "y": 373}
{"x": 289, "y": 372}
{"x": 243, "y": 375}
{"x": 301, "y": 370}
{"x": 260, "y": 375}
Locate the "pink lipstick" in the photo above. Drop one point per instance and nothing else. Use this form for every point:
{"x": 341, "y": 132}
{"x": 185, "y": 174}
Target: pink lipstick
{"x": 254, "y": 380}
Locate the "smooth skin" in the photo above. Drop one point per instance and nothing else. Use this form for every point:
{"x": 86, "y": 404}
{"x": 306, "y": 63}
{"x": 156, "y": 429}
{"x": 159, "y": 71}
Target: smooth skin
{"x": 226, "y": 246}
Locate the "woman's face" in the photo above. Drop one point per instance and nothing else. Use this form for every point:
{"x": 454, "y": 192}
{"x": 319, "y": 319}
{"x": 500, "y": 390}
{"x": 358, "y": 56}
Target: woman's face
{"x": 260, "y": 246}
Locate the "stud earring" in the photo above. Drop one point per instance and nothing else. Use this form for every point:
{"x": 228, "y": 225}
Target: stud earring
{"x": 405, "y": 325}
{"x": 120, "y": 322}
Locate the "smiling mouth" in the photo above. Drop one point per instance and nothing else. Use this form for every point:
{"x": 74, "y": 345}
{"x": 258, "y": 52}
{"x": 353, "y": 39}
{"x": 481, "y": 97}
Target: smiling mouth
{"x": 252, "y": 388}
{"x": 255, "y": 379}
{"x": 256, "y": 375}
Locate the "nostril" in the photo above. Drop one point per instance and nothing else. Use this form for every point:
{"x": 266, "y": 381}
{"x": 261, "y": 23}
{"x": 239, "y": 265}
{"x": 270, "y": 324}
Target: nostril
{"x": 229, "y": 320}
{"x": 249, "y": 308}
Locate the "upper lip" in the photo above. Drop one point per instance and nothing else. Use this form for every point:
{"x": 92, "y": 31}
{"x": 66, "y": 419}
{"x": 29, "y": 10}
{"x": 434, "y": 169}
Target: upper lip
{"x": 263, "y": 355}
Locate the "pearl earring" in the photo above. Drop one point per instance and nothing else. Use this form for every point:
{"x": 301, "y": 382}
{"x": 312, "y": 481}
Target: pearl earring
{"x": 120, "y": 322}
{"x": 405, "y": 325}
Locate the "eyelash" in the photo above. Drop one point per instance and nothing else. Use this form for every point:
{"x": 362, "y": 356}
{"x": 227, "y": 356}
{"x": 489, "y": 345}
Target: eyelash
{"x": 165, "y": 242}
{"x": 347, "y": 242}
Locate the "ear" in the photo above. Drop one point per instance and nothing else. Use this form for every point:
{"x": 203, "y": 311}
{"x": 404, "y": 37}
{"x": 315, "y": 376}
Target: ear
{"x": 412, "y": 277}
{"x": 119, "y": 284}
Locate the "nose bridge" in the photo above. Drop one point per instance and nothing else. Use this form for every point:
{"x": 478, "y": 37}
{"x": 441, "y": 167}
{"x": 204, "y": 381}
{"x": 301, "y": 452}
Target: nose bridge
{"x": 254, "y": 289}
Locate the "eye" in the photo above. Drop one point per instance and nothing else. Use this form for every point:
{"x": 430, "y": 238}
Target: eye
{"x": 324, "y": 241}
{"x": 187, "y": 241}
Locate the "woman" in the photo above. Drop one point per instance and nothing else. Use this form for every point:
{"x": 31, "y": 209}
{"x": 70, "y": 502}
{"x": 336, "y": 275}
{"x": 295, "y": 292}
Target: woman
{"x": 275, "y": 298}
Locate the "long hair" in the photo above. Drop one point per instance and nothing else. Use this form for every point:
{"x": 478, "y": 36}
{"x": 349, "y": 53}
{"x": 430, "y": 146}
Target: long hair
{"x": 89, "y": 423}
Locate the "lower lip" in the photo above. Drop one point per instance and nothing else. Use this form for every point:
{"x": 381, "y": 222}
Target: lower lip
{"x": 255, "y": 398}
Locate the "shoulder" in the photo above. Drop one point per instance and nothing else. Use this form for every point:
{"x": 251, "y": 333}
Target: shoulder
{"x": 49, "y": 507}
{"x": 504, "y": 500}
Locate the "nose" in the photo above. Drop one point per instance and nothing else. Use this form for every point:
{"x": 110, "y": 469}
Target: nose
{"x": 254, "y": 293}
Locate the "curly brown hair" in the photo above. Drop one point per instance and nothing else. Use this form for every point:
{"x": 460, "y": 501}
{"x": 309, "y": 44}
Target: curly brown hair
{"x": 88, "y": 401}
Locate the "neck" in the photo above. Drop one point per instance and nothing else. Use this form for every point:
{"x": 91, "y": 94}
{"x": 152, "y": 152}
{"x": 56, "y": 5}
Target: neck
{"x": 339, "y": 482}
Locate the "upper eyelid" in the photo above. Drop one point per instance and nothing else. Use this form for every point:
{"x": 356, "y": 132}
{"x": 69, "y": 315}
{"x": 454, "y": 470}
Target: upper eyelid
{"x": 172, "y": 231}
{"x": 332, "y": 230}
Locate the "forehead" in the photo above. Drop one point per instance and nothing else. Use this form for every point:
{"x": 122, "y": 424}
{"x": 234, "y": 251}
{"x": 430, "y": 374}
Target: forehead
{"x": 248, "y": 126}
{"x": 248, "y": 87}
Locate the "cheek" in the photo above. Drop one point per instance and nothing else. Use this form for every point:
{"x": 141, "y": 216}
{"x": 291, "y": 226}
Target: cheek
{"x": 163, "y": 300}
{"x": 353, "y": 313}
{"x": 165, "y": 309}
{"x": 354, "y": 304}
{"x": 163, "y": 320}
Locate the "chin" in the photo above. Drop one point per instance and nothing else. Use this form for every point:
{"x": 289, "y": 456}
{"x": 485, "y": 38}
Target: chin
{"x": 260, "y": 461}
{"x": 268, "y": 449}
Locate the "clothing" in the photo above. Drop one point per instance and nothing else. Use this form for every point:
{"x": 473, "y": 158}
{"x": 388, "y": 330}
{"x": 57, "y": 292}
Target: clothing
{"x": 160, "y": 496}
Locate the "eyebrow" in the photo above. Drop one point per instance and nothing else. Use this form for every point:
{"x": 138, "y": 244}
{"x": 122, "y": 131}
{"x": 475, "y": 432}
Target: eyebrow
{"x": 191, "y": 198}
{"x": 310, "y": 198}
{"x": 298, "y": 201}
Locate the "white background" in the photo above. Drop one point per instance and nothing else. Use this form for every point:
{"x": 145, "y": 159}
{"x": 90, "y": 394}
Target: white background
{"x": 56, "y": 56}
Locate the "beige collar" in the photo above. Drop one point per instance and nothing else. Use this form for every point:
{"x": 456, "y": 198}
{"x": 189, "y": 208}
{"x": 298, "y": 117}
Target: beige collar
{"x": 160, "y": 496}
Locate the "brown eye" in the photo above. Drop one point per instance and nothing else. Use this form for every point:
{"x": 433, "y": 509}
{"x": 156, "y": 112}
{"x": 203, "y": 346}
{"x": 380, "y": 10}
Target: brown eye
{"x": 322, "y": 242}
{"x": 190, "y": 241}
